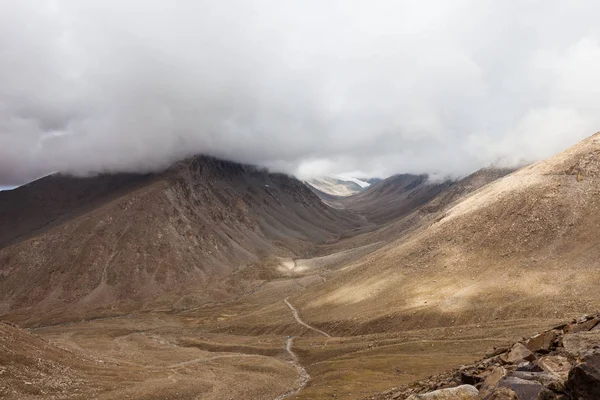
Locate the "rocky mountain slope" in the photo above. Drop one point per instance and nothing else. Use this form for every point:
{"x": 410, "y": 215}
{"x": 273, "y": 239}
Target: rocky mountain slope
{"x": 394, "y": 197}
{"x": 399, "y": 195}
{"x": 48, "y": 201}
{"x": 523, "y": 246}
{"x": 168, "y": 240}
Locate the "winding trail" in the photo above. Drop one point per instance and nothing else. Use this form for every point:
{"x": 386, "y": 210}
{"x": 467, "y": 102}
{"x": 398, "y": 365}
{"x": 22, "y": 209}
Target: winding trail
{"x": 289, "y": 344}
{"x": 304, "y": 377}
{"x": 299, "y": 320}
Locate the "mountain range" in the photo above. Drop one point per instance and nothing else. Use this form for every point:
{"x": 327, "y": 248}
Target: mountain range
{"x": 218, "y": 280}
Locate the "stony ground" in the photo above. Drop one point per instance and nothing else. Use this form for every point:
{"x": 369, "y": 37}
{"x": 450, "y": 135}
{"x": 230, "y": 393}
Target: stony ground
{"x": 561, "y": 363}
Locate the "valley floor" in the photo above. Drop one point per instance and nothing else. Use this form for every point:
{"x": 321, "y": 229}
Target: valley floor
{"x": 262, "y": 347}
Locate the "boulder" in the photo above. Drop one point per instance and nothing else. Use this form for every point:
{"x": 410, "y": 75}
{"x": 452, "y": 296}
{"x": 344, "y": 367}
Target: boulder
{"x": 542, "y": 342}
{"x": 464, "y": 392}
{"x": 517, "y": 354}
{"x": 525, "y": 390}
{"x": 556, "y": 365}
{"x": 544, "y": 378}
{"x": 584, "y": 378}
{"x": 529, "y": 367}
{"x": 491, "y": 381}
{"x": 575, "y": 344}
{"x": 583, "y": 326}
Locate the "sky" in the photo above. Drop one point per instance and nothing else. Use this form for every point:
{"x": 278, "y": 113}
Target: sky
{"x": 355, "y": 87}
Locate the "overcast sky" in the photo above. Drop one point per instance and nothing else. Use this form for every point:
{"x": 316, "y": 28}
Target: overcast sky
{"x": 371, "y": 87}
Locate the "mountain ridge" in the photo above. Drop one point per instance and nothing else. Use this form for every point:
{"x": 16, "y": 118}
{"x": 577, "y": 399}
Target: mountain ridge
{"x": 228, "y": 214}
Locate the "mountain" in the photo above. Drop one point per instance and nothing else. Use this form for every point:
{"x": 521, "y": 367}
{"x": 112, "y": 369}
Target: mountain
{"x": 394, "y": 197}
{"x": 522, "y": 246}
{"x": 55, "y": 198}
{"x": 337, "y": 186}
{"x": 218, "y": 280}
{"x": 400, "y": 195}
{"x": 114, "y": 244}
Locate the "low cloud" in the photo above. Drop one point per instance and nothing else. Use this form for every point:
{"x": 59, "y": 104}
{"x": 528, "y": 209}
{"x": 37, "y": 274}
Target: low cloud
{"x": 311, "y": 88}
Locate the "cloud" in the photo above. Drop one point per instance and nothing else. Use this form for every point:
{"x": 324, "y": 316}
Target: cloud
{"x": 305, "y": 87}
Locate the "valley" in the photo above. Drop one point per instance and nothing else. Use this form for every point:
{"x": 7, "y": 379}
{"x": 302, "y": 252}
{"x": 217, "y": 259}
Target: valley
{"x": 215, "y": 280}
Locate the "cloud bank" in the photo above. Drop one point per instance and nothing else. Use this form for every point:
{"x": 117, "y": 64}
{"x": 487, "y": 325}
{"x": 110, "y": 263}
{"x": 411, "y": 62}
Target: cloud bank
{"x": 306, "y": 87}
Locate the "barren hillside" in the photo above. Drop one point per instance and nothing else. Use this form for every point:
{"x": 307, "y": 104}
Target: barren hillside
{"x": 523, "y": 246}
{"x": 163, "y": 241}
{"x": 394, "y": 197}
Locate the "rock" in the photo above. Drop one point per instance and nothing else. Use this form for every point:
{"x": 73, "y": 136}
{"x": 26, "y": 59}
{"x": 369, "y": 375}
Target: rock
{"x": 492, "y": 380}
{"x": 464, "y": 392}
{"x": 583, "y": 326}
{"x": 517, "y": 354}
{"x": 551, "y": 381}
{"x": 503, "y": 394}
{"x": 575, "y": 344}
{"x": 529, "y": 367}
{"x": 488, "y": 362}
{"x": 550, "y": 395}
{"x": 525, "y": 390}
{"x": 496, "y": 351}
{"x": 541, "y": 342}
{"x": 560, "y": 327}
{"x": 556, "y": 365}
{"x": 469, "y": 378}
{"x": 584, "y": 379}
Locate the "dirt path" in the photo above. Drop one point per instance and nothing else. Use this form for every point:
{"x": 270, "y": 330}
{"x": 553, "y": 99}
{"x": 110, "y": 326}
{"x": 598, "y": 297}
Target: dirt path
{"x": 289, "y": 347}
{"x": 299, "y": 320}
{"x": 304, "y": 377}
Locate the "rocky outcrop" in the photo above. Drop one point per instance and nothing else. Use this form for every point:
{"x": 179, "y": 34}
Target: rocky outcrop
{"x": 519, "y": 353}
{"x": 584, "y": 378}
{"x": 541, "y": 342}
{"x": 576, "y": 344}
{"x": 559, "y": 364}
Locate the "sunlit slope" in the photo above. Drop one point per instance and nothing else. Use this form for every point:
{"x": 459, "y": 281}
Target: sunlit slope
{"x": 523, "y": 246}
